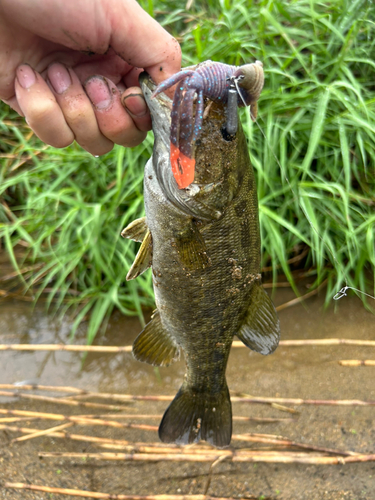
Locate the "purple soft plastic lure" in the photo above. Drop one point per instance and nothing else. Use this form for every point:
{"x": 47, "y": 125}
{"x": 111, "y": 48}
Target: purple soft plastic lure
{"x": 213, "y": 80}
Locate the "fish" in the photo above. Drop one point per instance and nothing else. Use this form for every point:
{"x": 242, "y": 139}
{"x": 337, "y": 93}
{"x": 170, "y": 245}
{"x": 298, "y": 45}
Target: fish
{"x": 203, "y": 244}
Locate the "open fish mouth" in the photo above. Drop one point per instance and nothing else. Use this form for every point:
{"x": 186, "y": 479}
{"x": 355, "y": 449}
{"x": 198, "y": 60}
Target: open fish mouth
{"x": 189, "y": 199}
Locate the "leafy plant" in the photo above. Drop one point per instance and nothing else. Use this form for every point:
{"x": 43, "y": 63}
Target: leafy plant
{"x": 313, "y": 149}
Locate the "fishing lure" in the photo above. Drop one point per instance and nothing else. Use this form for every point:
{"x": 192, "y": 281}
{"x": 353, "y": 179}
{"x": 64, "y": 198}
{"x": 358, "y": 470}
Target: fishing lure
{"x": 231, "y": 85}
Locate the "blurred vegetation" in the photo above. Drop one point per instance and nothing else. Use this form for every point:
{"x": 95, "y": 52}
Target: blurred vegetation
{"x": 62, "y": 211}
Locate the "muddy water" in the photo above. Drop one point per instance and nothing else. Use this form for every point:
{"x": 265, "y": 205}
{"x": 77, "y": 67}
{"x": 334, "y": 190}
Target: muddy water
{"x": 302, "y": 372}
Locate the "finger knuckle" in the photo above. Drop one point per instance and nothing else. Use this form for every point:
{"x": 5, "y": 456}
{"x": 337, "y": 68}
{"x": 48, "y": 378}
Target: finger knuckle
{"x": 41, "y": 115}
{"x": 61, "y": 142}
{"x": 99, "y": 151}
{"x": 132, "y": 141}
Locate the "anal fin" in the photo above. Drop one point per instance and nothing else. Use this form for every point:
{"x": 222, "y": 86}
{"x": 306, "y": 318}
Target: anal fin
{"x": 143, "y": 259}
{"x": 260, "y": 330}
{"x": 154, "y": 344}
{"x": 136, "y": 230}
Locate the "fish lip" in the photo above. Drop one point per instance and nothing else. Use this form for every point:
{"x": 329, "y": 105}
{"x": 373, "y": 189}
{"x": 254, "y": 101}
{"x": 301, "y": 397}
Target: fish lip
{"x": 160, "y": 109}
{"x": 148, "y": 86}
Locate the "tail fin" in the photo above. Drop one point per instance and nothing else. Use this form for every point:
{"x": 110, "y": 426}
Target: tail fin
{"x": 193, "y": 416}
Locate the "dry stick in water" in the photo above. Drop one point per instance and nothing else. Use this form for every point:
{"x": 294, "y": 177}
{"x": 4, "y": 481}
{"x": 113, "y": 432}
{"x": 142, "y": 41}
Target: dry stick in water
{"x": 299, "y": 401}
{"x": 357, "y": 362}
{"x": 61, "y": 401}
{"x": 108, "y": 496}
{"x": 82, "y": 437}
{"x": 280, "y": 440}
{"x": 9, "y": 420}
{"x": 235, "y": 399}
{"x": 297, "y": 300}
{"x": 248, "y": 456}
{"x": 120, "y": 416}
{"x": 43, "y": 432}
{"x": 63, "y": 347}
{"x": 79, "y": 394}
{"x": 163, "y": 448}
{"x": 120, "y": 443}
{"x": 274, "y": 405}
{"x": 128, "y": 348}
{"x": 79, "y": 420}
{"x": 37, "y": 387}
{"x": 320, "y": 342}
{"x": 212, "y": 466}
{"x": 258, "y": 400}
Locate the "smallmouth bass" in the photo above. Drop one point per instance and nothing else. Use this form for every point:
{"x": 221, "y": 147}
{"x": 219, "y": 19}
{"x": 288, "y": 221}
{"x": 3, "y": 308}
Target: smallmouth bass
{"x": 203, "y": 243}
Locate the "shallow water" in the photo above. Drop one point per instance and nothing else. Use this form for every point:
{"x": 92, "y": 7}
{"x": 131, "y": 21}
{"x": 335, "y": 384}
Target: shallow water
{"x": 300, "y": 372}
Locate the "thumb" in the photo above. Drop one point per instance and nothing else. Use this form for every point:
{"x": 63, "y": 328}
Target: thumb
{"x": 142, "y": 42}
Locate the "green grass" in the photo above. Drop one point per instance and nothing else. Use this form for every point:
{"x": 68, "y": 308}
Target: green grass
{"x": 313, "y": 150}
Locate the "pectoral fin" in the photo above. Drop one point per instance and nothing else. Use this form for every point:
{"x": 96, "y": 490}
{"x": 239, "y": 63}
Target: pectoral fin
{"x": 261, "y": 329}
{"x": 143, "y": 259}
{"x": 154, "y": 344}
{"x": 191, "y": 248}
{"x": 136, "y": 230}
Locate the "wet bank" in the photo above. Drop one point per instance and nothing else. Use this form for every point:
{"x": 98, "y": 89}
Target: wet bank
{"x": 309, "y": 372}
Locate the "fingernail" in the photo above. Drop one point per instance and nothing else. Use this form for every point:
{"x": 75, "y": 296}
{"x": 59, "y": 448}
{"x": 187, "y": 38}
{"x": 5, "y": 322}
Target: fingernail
{"x": 99, "y": 92}
{"x": 135, "y": 104}
{"x": 59, "y": 77}
{"x": 25, "y": 76}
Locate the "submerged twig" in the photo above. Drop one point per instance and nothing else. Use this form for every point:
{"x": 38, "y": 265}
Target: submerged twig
{"x": 274, "y": 405}
{"x": 163, "y": 448}
{"x": 357, "y": 362}
{"x": 80, "y": 437}
{"x": 107, "y": 496}
{"x": 64, "y": 347}
{"x": 297, "y": 300}
{"x": 279, "y": 440}
{"x": 280, "y": 284}
{"x": 17, "y": 273}
{"x": 18, "y": 296}
{"x": 61, "y": 401}
{"x": 212, "y": 466}
{"x": 37, "y": 387}
{"x": 235, "y": 399}
{"x": 239, "y": 456}
{"x": 299, "y": 401}
{"x": 320, "y": 342}
{"x": 9, "y": 420}
{"x": 121, "y": 416}
{"x": 78, "y": 419}
{"x": 43, "y": 432}
{"x": 128, "y": 348}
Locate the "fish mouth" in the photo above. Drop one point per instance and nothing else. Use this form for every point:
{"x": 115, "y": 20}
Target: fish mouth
{"x": 187, "y": 200}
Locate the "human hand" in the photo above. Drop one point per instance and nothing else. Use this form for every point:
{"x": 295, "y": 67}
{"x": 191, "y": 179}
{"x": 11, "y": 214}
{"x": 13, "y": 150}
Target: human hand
{"x": 71, "y": 69}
